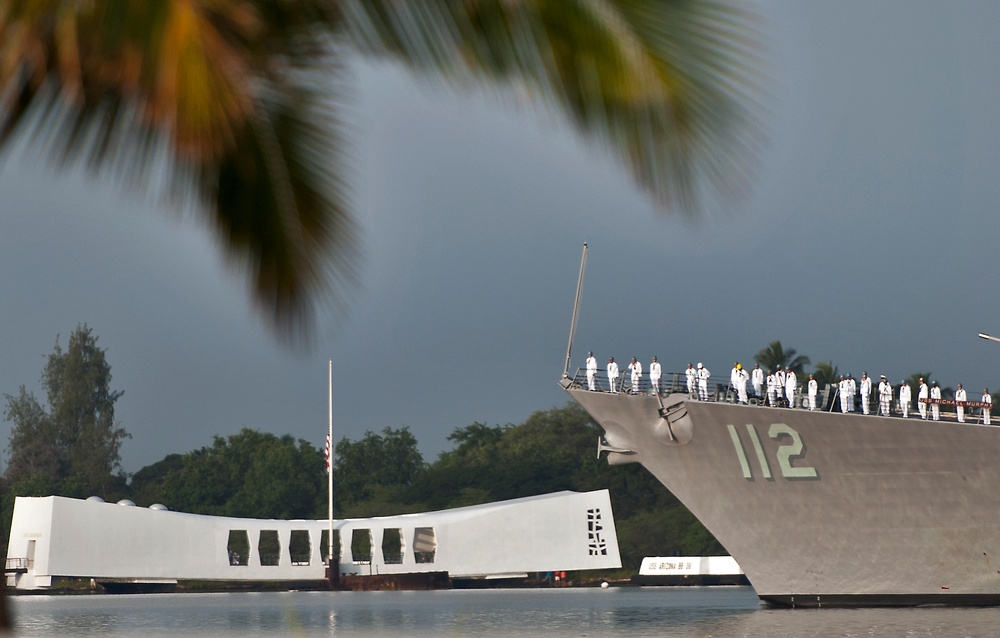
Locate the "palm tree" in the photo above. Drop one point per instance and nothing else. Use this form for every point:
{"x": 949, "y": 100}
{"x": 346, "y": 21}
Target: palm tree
{"x": 238, "y": 103}
{"x": 826, "y": 374}
{"x": 775, "y": 357}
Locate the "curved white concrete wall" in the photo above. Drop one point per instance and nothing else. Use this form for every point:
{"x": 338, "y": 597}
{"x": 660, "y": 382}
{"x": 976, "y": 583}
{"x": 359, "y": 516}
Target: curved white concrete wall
{"x": 74, "y": 538}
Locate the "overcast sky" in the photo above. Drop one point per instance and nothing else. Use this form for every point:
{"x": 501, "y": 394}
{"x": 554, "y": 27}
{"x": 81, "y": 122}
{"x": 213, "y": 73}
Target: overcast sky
{"x": 867, "y": 239}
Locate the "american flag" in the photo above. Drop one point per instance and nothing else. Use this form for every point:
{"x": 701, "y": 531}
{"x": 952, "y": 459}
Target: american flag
{"x": 326, "y": 453}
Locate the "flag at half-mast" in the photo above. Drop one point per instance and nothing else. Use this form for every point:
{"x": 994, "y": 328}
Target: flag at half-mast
{"x": 326, "y": 453}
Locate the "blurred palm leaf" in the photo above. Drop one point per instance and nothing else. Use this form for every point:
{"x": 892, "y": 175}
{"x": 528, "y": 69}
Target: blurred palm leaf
{"x": 666, "y": 85}
{"x": 238, "y": 100}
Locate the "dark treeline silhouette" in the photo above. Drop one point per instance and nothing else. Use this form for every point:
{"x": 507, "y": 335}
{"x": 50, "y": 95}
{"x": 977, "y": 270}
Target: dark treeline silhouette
{"x": 262, "y": 475}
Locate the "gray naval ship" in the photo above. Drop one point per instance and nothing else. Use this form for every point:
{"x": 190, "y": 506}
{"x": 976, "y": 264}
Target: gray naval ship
{"x": 824, "y": 508}
{"x": 820, "y": 508}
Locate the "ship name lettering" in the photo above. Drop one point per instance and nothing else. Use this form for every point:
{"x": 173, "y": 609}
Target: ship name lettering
{"x": 786, "y": 453}
{"x": 665, "y": 566}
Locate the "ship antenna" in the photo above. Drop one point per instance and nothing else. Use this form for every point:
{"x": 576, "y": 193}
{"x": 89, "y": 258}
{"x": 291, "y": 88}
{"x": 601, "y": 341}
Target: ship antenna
{"x": 576, "y": 309}
{"x": 983, "y": 335}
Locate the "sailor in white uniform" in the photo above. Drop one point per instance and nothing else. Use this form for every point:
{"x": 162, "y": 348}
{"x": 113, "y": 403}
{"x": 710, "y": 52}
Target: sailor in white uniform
{"x": 935, "y": 407}
{"x": 904, "y": 398}
{"x": 741, "y": 383}
{"x": 884, "y": 396}
{"x": 757, "y": 380}
{"x": 591, "y": 371}
{"x": 613, "y": 374}
{"x": 853, "y": 387}
{"x": 960, "y": 396}
{"x": 791, "y": 383}
{"x": 922, "y": 395}
{"x": 772, "y": 389}
{"x": 779, "y": 380}
{"x": 655, "y": 370}
{"x": 703, "y": 375}
{"x": 844, "y": 388}
{"x": 635, "y": 368}
{"x": 813, "y": 389}
{"x": 988, "y": 400}
{"x": 692, "y": 377}
{"x": 866, "y": 392}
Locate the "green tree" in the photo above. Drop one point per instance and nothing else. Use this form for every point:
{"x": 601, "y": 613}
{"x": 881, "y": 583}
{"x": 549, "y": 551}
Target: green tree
{"x": 250, "y": 474}
{"x": 774, "y": 356}
{"x": 378, "y": 467}
{"x": 664, "y": 531}
{"x": 146, "y": 484}
{"x": 74, "y": 445}
{"x": 542, "y": 455}
{"x": 474, "y": 442}
{"x": 240, "y": 100}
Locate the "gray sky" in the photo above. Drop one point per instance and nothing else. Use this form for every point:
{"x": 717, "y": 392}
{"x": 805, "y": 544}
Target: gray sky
{"x": 866, "y": 240}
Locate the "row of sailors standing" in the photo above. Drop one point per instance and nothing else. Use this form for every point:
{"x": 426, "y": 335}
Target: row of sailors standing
{"x": 781, "y": 385}
{"x": 784, "y": 382}
{"x": 925, "y": 396}
{"x": 848, "y": 387}
{"x": 635, "y": 371}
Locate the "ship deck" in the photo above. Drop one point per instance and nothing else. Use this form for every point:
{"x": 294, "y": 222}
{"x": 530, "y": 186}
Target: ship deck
{"x": 720, "y": 390}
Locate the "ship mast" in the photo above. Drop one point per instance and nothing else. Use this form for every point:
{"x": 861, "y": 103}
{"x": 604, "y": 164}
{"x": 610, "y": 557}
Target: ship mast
{"x": 576, "y": 309}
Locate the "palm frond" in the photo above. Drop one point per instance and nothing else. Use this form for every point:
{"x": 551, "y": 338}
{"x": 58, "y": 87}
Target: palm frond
{"x": 669, "y": 86}
{"x": 236, "y": 102}
{"x": 224, "y": 94}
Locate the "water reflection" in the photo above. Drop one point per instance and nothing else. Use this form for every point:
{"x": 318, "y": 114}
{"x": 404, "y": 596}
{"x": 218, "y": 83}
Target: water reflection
{"x": 554, "y": 613}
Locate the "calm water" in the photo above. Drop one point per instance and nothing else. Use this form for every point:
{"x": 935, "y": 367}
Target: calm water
{"x": 633, "y": 612}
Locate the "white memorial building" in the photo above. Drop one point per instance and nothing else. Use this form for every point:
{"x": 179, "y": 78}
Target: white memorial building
{"x": 53, "y": 538}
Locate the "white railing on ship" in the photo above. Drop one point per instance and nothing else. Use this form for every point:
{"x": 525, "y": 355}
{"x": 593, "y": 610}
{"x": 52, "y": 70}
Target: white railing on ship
{"x": 718, "y": 389}
{"x": 670, "y": 383}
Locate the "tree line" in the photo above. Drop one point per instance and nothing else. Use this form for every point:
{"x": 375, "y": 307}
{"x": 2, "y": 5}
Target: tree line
{"x": 70, "y": 446}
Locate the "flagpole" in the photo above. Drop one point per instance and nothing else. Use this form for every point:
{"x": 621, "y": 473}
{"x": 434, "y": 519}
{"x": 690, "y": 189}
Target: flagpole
{"x": 329, "y": 474}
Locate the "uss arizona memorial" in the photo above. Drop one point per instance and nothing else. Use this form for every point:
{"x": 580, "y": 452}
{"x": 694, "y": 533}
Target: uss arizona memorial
{"x": 54, "y": 538}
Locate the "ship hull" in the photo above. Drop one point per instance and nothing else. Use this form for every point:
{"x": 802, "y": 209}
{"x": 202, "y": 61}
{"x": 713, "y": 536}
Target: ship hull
{"x": 820, "y": 508}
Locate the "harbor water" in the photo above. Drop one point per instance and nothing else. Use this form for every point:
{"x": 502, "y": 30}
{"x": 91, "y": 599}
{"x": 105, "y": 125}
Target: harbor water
{"x": 617, "y": 611}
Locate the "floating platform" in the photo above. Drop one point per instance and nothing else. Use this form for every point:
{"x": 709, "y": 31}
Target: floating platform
{"x": 690, "y": 570}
